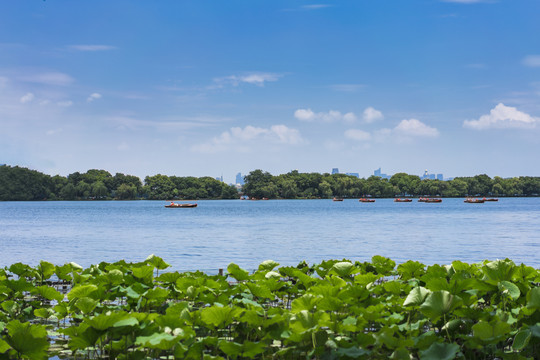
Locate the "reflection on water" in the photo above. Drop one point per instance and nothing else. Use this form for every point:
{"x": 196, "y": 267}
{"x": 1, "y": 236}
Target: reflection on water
{"x": 217, "y": 233}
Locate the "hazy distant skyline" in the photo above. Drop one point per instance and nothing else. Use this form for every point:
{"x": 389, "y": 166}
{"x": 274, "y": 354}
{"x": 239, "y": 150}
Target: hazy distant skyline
{"x": 206, "y": 88}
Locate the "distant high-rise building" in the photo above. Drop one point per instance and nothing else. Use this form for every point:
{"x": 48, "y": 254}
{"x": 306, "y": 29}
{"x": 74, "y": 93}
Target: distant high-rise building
{"x": 239, "y": 179}
{"x": 377, "y": 172}
{"x": 335, "y": 171}
{"x": 429, "y": 176}
{"x": 353, "y": 174}
{"x": 440, "y": 177}
{"x": 220, "y": 178}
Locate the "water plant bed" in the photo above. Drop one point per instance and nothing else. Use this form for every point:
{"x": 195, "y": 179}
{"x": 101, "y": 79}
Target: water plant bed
{"x": 337, "y": 309}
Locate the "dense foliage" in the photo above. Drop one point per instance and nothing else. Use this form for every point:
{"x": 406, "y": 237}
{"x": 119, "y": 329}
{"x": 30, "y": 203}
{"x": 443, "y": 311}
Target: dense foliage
{"x": 18, "y": 183}
{"x": 332, "y": 310}
{"x": 260, "y": 184}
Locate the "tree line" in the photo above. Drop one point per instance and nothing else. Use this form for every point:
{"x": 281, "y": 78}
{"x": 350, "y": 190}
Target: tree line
{"x": 261, "y": 184}
{"x": 18, "y": 183}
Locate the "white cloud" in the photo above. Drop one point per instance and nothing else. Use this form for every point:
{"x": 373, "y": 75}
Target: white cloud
{"x": 315, "y": 6}
{"x": 330, "y": 116}
{"x": 532, "y": 61}
{"x": 92, "y": 47}
{"x": 66, "y": 103}
{"x": 502, "y": 117}
{"x": 240, "y": 138}
{"x": 28, "y": 97}
{"x": 358, "y": 135}
{"x": 466, "y": 1}
{"x": 370, "y": 115}
{"x": 49, "y": 78}
{"x": 414, "y": 127}
{"x": 258, "y": 79}
{"x": 93, "y": 97}
{"x": 346, "y": 87}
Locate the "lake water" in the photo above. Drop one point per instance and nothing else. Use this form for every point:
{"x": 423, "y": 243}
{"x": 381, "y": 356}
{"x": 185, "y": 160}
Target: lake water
{"x": 217, "y": 233}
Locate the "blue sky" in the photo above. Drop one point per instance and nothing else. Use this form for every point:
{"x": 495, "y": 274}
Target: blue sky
{"x": 219, "y": 87}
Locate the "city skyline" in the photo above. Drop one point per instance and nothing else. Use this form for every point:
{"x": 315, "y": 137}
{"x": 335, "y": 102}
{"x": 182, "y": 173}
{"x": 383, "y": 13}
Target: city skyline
{"x": 205, "y": 89}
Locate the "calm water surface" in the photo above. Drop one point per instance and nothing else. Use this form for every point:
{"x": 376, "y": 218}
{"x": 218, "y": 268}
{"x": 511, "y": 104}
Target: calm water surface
{"x": 217, "y": 233}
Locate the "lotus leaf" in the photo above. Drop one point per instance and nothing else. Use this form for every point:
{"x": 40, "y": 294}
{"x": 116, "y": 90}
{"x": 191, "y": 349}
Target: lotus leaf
{"x": 260, "y": 291}
{"x": 509, "y": 288}
{"x": 304, "y": 302}
{"x": 411, "y": 269}
{"x": 157, "y": 262}
{"x": 106, "y": 320}
{"x": 416, "y": 297}
{"x": 490, "y": 332}
{"x": 383, "y": 265}
{"x": 439, "y": 303}
{"x": 86, "y": 305}
{"x": 4, "y": 346}
{"x": 49, "y": 293}
{"x": 217, "y": 316}
{"x": 499, "y": 270}
{"x": 145, "y": 273}
{"x": 236, "y": 272}
{"x": 268, "y": 265}
{"x": 440, "y": 351}
{"x": 534, "y": 298}
{"x": 521, "y": 340}
{"x": 160, "y": 341}
{"x": 343, "y": 269}
{"x": 80, "y": 291}
{"x": 27, "y": 339}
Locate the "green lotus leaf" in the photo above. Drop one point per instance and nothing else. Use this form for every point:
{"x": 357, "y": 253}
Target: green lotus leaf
{"x": 440, "y": 351}
{"x": 4, "y": 346}
{"x": 304, "y": 302}
{"x": 237, "y": 273}
{"x": 383, "y": 265}
{"x": 416, "y": 297}
{"x": 19, "y": 285}
{"x": 534, "y": 298}
{"x": 217, "y": 316}
{"x": 106, "y": 320}
{"x": 393, "y": 287}
{"x": 115, "y": 277}
{"x": 330, "y": 303}
{"x": 10, "y": 306}
{"x": 160, "y": 341}
{"x": 45, "y": 269}
{"x": 439, "y": 303}
{"x": 49, "y": 293}
{"x": 144, "y": 272}
{"x": 247, "y": 350}
{"x": 268, "y": 265}
{"x": 27, "y": 339}
{"x": 158, "y": 262}
{"x": 401, "y": 353}
{"x": 230, "y": 348}
{"x": 61, "y": 309}
{"x": 343, "y": 269}
{"x": 411, "y": 269}
{"x": 129, "y": 321}
{"x": 521, "y": 340}
{"x": 509, "y": 288}
{"x": 168, "y": 278}
{"x": 80, "y": 291}
{"x": 365, "y": 279}
{"x": 86, "y": 305}
{"x": 20, "y": 269}
{"x": 64, "y": 272}
{"x": 260, "y": 291}
{"x": 158, "y": 294}
{"x": 499, "y": 270}
{"x": 490, "y": 332}
{"x": 43, "y": 313}
{"x": 305, "y": 319}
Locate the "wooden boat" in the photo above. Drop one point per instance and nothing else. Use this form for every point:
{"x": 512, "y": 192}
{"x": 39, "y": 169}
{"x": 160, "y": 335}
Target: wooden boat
{"x": 337, "y": 199}
{"x": 175, "y": 205}
{"x": 366, "y": 200}
{"x": 474, "y": 201}
{"x": 491, "y": 199}
{"x": 402, "y": 200}
{"x": 430, "y": 200}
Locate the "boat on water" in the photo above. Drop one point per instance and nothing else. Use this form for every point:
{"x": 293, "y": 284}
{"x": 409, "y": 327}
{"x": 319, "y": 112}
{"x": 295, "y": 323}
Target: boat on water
{"x": 430, "y": 200}
{"x": 366, "y": 200}
{"x": 337, "y": 199}
{"x": 474, "y": 201}
{"x": 185, "y": 205}
{"x": 402, "y": 200}
{"x": 490, "y": 199}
